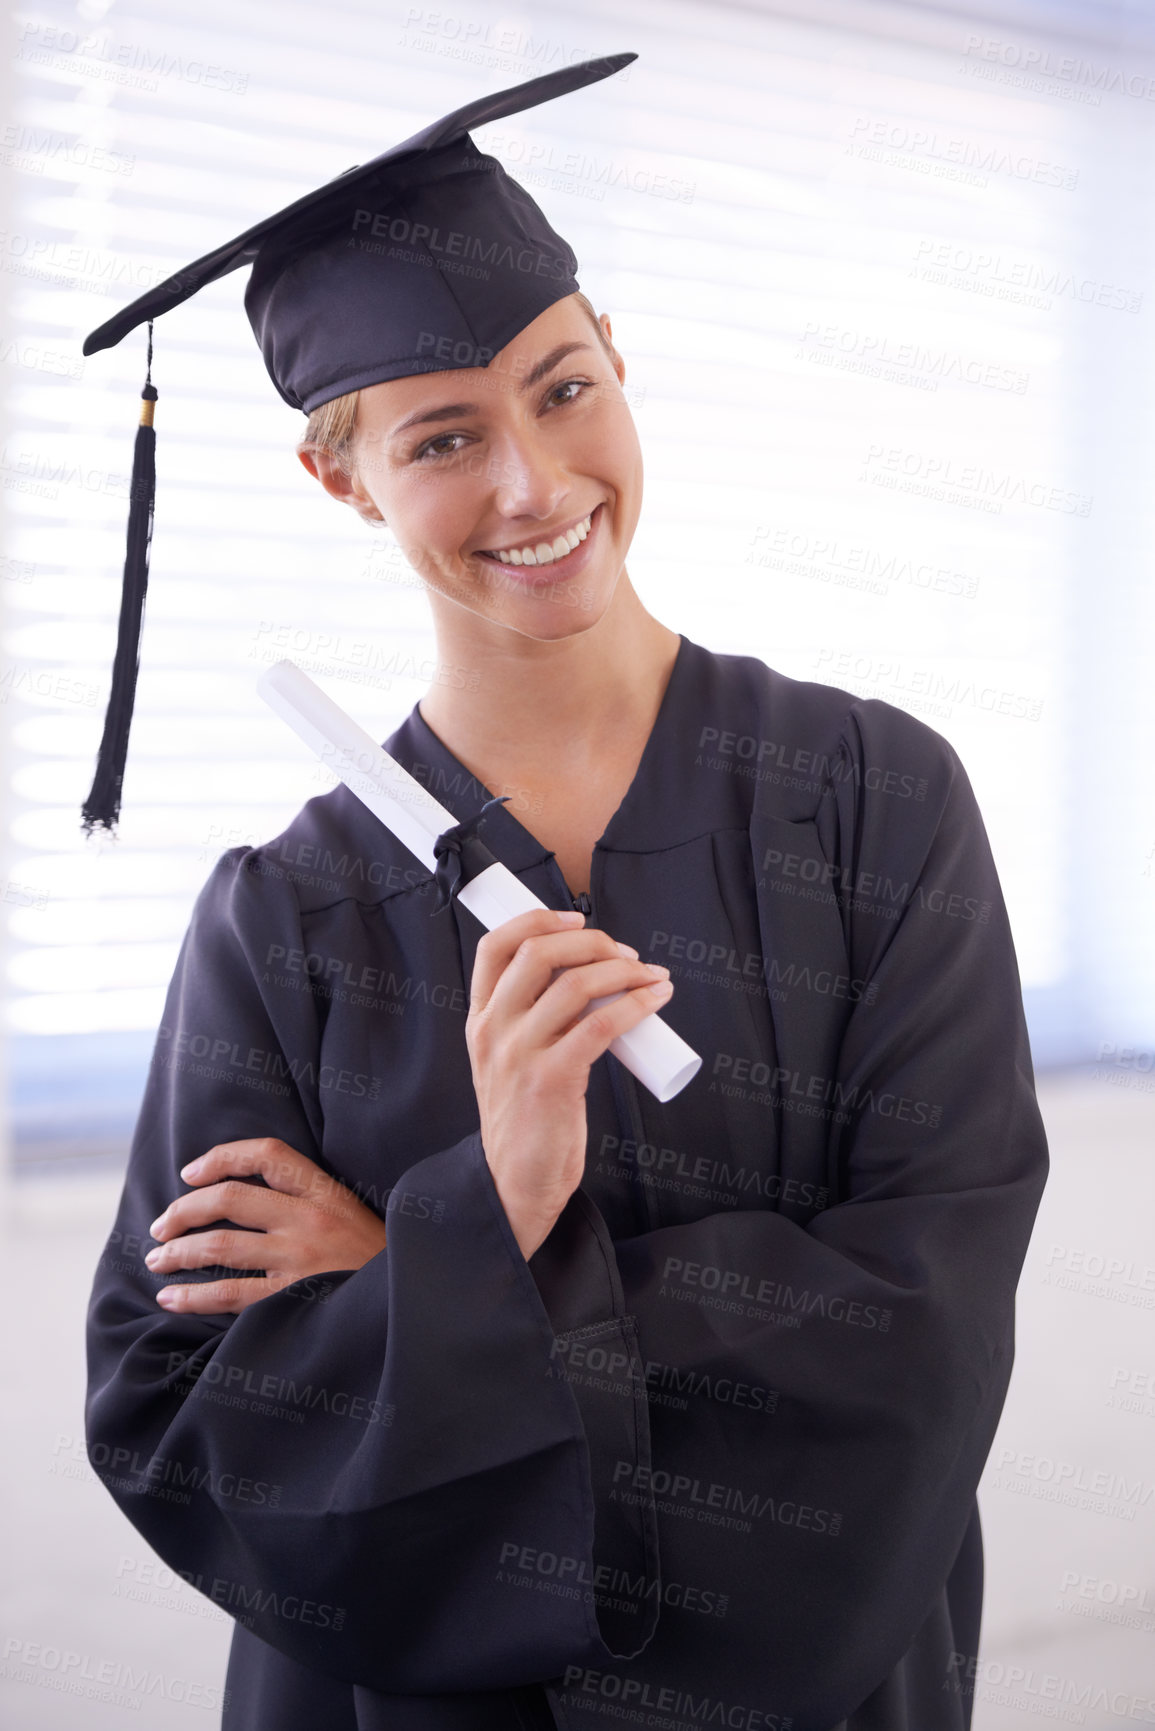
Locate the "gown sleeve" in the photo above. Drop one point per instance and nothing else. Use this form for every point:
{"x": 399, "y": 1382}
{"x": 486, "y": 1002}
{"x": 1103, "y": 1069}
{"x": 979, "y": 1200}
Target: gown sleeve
{"x": 890, "y": 1387}
{"x": 347, "y": 1464}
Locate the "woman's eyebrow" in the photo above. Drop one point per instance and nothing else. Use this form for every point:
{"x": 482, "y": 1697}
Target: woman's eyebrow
{"x": 450, "y": 411}
{"x": 548, "y": 362}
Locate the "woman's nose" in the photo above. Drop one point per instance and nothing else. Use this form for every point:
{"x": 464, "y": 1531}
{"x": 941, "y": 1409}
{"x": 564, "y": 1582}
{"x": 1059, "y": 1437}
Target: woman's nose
{"x": 529, "y": 479}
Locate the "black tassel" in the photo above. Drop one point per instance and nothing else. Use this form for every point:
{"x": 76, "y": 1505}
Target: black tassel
{"x": 102, "y": 807}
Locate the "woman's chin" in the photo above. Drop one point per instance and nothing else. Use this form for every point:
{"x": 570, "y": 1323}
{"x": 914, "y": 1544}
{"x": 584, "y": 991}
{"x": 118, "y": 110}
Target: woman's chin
{"x": 553, "y": 622}
{"x": 548, "y": 613}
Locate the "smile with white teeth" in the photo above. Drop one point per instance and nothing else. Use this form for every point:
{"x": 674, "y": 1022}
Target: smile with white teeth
{"x": 545, "y": 552}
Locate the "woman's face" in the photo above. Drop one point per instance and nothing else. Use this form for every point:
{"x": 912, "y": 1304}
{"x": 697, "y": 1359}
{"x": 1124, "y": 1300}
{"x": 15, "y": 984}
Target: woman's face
{"x": 513, "y": 489}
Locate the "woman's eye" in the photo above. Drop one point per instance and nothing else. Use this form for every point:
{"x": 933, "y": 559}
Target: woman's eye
{"x": 444, "y": 445}
{"x": 574, "y": 388}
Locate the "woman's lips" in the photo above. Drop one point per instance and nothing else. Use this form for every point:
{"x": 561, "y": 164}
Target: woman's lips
{"x": 534, "y": 560}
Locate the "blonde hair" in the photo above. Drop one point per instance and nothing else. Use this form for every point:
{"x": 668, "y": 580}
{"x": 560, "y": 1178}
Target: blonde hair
{"x": 333, "y": 427}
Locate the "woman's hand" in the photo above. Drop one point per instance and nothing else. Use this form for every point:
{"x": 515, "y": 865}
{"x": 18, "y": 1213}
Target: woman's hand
{"x": 306, "y": 1223}
{"x": 531, "y": 1054}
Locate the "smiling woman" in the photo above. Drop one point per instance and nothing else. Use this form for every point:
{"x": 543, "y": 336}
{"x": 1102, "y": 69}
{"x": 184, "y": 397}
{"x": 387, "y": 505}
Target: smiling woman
{"x": 530, "y": 463}
{"x": 515, "y": 490}
{"x": 561, "y": 1403}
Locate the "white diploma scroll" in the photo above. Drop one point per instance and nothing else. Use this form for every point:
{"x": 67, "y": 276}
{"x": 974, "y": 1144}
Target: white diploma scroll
{"x": 658, "y": 1057}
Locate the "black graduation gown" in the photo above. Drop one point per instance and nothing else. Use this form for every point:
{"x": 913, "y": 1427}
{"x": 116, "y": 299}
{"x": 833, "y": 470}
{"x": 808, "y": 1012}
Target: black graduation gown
{"x": 710, "y": 1457}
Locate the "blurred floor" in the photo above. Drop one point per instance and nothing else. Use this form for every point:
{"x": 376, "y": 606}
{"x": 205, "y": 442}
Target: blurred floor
{"x": 96, "y": 1635}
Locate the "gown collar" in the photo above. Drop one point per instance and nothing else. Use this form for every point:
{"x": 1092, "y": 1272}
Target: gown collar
{"x": 669, "y": 800}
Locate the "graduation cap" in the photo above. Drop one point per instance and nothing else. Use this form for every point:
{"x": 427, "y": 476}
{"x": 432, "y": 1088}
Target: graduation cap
{"x": 426, "y": 259}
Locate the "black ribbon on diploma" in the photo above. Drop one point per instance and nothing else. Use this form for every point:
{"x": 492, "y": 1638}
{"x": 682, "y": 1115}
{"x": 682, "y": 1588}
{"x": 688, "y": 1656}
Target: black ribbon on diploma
{"x": 461, "y": 854}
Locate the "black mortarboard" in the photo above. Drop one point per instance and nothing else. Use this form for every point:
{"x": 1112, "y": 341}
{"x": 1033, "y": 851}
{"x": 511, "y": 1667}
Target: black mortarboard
{"x": 428, "y": 258}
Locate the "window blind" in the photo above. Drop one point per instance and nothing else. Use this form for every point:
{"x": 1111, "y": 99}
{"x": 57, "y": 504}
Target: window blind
{"x": 877, "y": 277}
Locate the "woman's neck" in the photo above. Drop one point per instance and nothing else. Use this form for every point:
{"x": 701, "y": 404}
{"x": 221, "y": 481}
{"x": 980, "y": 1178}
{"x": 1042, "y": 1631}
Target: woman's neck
{"x": 536, "y": 711}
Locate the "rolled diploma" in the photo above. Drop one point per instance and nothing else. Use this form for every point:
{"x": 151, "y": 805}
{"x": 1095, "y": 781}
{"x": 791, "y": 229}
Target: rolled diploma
{"x": 658, "y": 1057}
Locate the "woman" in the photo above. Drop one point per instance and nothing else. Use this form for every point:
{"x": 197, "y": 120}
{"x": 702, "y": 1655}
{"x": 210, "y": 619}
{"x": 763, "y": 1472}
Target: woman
{"x": 483, "y": 1389}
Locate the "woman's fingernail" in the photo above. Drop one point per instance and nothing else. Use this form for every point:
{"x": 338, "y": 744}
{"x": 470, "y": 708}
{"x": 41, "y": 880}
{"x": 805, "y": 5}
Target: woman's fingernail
{"x": 657, "y": 968}
{"x": 193, "y": 1167}
{"x": 154, "y": 1229}
{"x": 627, "y": 951}
{"x": 661, "y": 988}
{"x": 572, "y": 916}
{"x": 152, "y": 1258}
{"x": 167, "y": 1297}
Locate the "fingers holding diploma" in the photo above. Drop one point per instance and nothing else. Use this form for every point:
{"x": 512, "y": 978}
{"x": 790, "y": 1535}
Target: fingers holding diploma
{"x": 531, "y": 1044}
